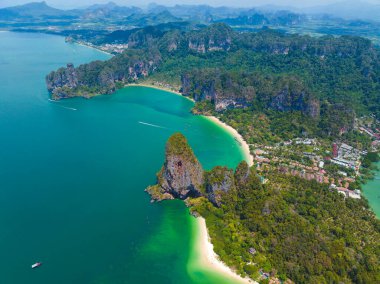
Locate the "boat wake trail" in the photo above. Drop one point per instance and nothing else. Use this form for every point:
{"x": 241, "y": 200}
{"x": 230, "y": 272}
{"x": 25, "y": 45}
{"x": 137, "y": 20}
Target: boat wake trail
{"x": 153, "y": 125}
{"x": 70, "y": 108}
{"x": 54, "y": 101}
{"x": 65, "y": 107}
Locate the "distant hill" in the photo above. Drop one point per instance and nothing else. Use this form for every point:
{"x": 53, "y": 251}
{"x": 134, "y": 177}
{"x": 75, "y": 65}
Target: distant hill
{"x": 35, "y": 9}
{"x": 268, "y": 14}
{"x": 108, "y": 10}
{"x": 202, "y": 13}
{"x": 42, "y": 10}
{"x": 351, "y": 9}
{"x": 256, "y": 18}
{"x": 109, "y": 5}
{"x": 138, "y": 19}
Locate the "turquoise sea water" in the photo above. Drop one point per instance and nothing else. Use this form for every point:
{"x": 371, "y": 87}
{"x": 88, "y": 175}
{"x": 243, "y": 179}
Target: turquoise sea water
{"x": 372, "y": 192}
{"x": 73, "y": 173}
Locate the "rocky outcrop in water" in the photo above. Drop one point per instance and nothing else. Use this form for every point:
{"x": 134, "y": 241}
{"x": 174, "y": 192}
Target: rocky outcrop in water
{"x": 181, "y": 176}
{"x": 63, "y": 78}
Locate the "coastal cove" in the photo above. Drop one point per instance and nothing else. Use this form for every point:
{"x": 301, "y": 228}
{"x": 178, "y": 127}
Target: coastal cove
{"x": 77, "y": 200}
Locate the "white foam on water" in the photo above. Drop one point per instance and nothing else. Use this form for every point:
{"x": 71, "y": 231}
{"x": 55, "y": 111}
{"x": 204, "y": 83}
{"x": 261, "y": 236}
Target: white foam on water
{"x": 153, "y": 125}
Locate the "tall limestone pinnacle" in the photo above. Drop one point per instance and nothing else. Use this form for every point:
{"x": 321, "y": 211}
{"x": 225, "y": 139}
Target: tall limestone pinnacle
{"x": 182, "y": 175}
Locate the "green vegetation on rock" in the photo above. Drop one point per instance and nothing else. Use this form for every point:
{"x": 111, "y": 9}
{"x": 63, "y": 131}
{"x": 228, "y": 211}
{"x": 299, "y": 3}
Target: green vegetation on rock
{"x": 177, "y": 145}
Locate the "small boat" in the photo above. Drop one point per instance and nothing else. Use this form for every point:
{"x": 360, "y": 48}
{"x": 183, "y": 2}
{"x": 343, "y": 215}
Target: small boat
{"x": 37, "y": 264}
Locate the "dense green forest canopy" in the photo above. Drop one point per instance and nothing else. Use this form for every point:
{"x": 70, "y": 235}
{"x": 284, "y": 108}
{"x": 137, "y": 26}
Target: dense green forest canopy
{"x": 295, "y": 229}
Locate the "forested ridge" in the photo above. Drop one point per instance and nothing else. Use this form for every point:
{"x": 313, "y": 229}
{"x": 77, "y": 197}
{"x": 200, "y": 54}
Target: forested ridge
{"x": 266, "y": 70}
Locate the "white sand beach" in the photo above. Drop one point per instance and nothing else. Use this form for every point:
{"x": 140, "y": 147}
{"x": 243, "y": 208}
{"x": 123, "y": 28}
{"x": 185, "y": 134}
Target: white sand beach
{"x": 209, "y": 260}
{"x": 93, "y": 47}
{"x": 158, "y": 88}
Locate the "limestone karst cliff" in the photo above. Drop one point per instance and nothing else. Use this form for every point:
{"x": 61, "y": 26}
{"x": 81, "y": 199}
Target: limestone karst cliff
{"x": 101, "y": 77}
{"x": 182, "y": 176}
{"x": 227, "y": 90}
{"x": 219, "y": 181}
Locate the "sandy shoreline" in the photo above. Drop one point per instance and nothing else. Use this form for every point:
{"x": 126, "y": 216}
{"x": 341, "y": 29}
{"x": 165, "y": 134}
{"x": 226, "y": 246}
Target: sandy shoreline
{"x": 159, "y": 88}
{"x": 209, "y": 259}
{"x": 247, "y": 154}
{"x": 93, "y": 47}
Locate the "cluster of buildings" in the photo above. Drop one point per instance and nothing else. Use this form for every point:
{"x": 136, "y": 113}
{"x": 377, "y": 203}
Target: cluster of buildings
{"x": 109, "y": 48}
{"x": 346, "y": 156}
{"x": 370, "y": 126}
{"x": 346, "y": 192}
{"x": 304, "y": 141}
{"x": 314, "y": 169}
{"x": 113, "y": 48}
{"x": 374, "y": 134}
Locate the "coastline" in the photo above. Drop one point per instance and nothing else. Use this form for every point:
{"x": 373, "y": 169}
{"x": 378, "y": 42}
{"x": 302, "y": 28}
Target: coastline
{"x": 245, "y": 147}
{"x": 207, "y": 259}
{"x": 158, "y": 88}
{"x": 93, "y": 47}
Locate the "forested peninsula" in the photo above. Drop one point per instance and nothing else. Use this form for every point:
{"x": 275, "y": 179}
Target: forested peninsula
{"x": 289, "y": 229}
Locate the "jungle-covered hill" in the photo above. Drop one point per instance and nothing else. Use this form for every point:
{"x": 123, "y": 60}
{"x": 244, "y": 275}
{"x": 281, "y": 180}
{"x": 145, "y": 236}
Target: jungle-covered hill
{"x": 323, "y": 82}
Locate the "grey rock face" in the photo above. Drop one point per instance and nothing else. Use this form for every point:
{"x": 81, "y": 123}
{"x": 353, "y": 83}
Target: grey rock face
{"x": 101, "y": 77}
{"x": 219, "y": 181}
{"x": 182, "y": 178}
{"x": 181, "y": 174}
{"x": 64, "y": 77}
{"x": 242, "y": 173}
